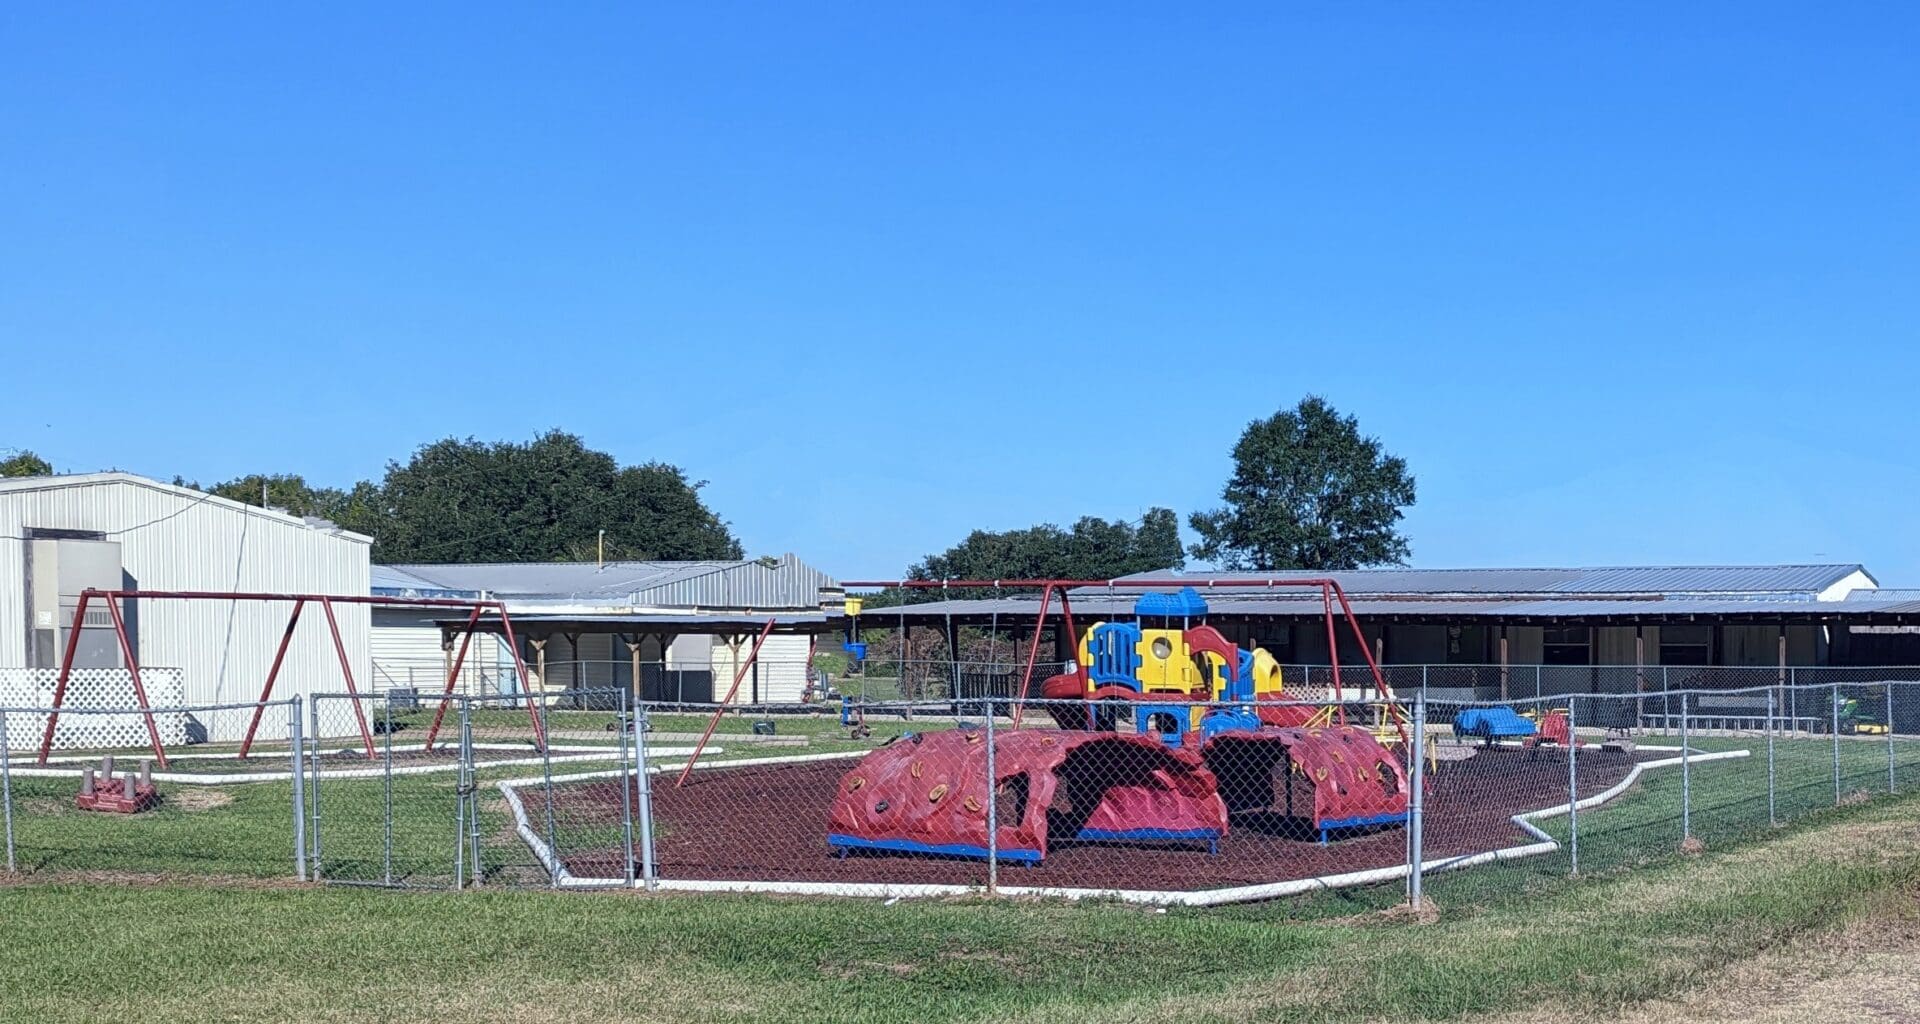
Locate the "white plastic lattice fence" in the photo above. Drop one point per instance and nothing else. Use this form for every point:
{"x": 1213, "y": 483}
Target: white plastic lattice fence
{"x": 93, "y": 688}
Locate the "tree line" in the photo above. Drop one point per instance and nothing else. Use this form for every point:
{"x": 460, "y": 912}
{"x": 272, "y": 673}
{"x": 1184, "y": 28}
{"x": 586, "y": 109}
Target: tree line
{"x": 465, "y": 500}
{"x": 1309, "y": 490}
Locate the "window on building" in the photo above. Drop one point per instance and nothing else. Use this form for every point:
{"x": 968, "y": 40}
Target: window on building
{"x": 1278, "y": 642}
{"x": 1468, "y": 645}
{"x": 1686, "y": 645}
{"x": 1566, "y": 645}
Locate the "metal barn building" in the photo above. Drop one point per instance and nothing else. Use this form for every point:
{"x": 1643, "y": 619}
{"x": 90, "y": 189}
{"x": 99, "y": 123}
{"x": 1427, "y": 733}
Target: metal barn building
{"x": 680, "y": 629}
{"x": 1489, "y": 632}
{"x": 60, "y": 535}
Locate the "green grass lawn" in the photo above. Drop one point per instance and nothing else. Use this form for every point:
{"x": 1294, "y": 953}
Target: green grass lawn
{"x": 1642, "y": 921}
{"x": 246, "y": 829}
{"x": 158, "y": 952}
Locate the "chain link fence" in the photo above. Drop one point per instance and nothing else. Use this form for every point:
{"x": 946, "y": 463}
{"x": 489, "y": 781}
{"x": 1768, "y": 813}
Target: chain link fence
{"x": 967, "y": 789}
{"x": 196, "y": 799}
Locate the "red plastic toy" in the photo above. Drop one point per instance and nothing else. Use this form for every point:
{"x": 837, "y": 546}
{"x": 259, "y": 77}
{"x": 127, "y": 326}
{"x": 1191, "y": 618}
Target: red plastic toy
{"x": 926, "y": 793}
{"x": 1553, "y": 729}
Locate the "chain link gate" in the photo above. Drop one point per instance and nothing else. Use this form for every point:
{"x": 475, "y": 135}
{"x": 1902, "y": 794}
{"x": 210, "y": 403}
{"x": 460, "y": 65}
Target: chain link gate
{"x": 460, "y": 791}
{"x": 562, "y": 817}
{"x": 382, "y": 801}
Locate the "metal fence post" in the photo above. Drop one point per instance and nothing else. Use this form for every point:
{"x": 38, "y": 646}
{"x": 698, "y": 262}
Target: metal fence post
{"x": 465, "y": 805}
{"x": 626, "y": 793}
{"x": 644, "y": 783}
{"x": 467, "y": 756}
{"x": 993, "y": 809}
{"x": 1836, "y": 743}
{"x": 1573, "y": 788}
{"x": 299, "y": 764}
{"x": 1773, "y": 818}
{"x": 6, "y": 792}
{"x": 314, "y": 834}
{"x": 461, "y": 785}
{"x": 1417, "y": 803}
{"x": 1686, "y": 776}
{"x": 1891, "y": 783}
{"x": 386, "y": 781}
{"x": 553, "y": 838}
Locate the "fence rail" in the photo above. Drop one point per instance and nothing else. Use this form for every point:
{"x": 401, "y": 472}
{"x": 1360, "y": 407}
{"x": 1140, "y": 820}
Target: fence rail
{"x": 976, "y": 789}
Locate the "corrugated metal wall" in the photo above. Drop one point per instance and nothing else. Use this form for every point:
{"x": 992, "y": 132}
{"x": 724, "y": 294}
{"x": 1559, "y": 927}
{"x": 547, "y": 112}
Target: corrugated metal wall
{"x": 175, "y": 541}
{"x": 406, "y": 653}
{"x": 789, "y": 583}
{"x": 783, "y": 669}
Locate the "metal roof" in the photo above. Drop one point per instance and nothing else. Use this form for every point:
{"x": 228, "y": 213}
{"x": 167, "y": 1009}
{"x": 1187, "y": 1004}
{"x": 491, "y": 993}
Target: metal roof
{"x": 1884, "y": 594}
{"x": 649, "y": 622}
{"x": 395, "y": 581}
{"x": 59, "y": 481}
{"x": 1087, "y": 607}
{"x": 785, "y": 583}
{"x": 1728, "y": 580}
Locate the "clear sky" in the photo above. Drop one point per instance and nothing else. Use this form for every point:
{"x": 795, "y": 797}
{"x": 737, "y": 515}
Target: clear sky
{"x": 1636, "y": 283}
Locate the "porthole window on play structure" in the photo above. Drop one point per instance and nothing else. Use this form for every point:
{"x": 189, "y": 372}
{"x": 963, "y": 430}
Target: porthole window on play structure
{"x": 1389, "y": 779}
{"x": 1163, "y": 723}
{"x": 1162, "y": 647}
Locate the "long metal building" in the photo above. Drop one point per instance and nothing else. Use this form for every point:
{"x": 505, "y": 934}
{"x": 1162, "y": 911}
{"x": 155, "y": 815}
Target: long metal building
{"x": 671, "y": 631}
{"x": 60, "y": 535}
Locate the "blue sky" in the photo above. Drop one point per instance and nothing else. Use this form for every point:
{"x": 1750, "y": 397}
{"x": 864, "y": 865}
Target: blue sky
{"x": 1631, "y": 284}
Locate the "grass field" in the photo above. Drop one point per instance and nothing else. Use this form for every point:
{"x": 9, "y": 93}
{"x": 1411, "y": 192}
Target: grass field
{"x": 190, "y": 907}
{"x": 247, "y": 829}
{"x": 141, "y": 949}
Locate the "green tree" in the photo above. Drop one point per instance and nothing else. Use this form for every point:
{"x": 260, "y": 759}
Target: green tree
{"x": 1308, "y": 491}
{"x": 361, "y": 508}
{"x": 546, "y": 500}
{"x": 1093, "y": 549}
{"x": 24, "y": 463}
{"x": 286, "y": 491}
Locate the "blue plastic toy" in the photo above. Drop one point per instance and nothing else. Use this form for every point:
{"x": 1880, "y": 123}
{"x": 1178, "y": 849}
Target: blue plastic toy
{"x": 1184, "y": 603}
{"x": 1491, "y": 724}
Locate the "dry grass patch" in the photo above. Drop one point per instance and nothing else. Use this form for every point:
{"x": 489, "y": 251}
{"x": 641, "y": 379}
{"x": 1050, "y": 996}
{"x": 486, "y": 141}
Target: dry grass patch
{"x": 196, "y": 798}
{"x": 1865, "y": 971}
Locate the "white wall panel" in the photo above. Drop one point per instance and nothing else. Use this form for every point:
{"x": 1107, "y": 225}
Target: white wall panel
{"x": 173, "y": 539}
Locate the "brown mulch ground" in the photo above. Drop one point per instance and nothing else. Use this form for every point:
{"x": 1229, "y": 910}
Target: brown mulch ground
{"x": 769, "y": 823}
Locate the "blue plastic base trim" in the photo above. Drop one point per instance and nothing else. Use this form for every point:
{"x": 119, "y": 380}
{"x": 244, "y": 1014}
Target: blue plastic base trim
{"x": 1162, "y": 835}
{"x": 1332, "y": 824}
{"x": 931, "y": 849}
{"x": 1362, "y": 822}
{"x": 1131, "y": 834}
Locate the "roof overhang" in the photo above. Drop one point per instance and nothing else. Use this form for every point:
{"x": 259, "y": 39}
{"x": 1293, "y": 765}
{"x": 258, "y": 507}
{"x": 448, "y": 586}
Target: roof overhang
{"x": 655, "y": 623}
{"x": 1418, "y": 610}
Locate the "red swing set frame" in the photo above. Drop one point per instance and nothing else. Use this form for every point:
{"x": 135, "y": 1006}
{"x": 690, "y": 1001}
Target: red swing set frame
{"x": 1334, "y": 607}
{"x": 113, "y": 598}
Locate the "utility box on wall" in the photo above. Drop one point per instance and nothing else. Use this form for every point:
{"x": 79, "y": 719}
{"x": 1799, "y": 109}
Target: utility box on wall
{"x": 59, "y": 566}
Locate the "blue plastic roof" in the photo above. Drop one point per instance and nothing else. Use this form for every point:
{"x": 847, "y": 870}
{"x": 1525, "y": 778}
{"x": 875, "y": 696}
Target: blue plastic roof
{"x": 1183, "y": 603}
